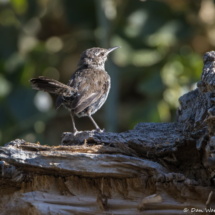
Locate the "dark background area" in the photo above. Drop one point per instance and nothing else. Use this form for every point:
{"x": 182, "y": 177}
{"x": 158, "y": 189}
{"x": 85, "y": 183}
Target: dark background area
{"x": 162, "y": 42}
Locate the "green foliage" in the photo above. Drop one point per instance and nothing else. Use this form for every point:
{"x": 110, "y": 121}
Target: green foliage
{"x": 160, "y": 59}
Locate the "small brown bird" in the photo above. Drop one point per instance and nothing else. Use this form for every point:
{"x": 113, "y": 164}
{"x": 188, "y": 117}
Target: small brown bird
{"x": 87, "y": 89}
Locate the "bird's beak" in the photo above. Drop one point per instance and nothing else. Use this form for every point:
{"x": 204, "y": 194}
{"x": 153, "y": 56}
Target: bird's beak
{"x": 112, "y": 49}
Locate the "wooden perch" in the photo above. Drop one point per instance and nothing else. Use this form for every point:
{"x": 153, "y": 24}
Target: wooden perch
{"x": 156, "y": 168}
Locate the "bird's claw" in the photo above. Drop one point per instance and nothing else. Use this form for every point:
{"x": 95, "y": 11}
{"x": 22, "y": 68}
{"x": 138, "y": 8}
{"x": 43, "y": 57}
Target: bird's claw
{"x": 75, "y": 132}
{"x": 100, "y": 130}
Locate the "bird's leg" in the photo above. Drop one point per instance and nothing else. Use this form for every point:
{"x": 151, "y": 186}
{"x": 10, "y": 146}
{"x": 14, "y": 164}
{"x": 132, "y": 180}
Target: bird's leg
{"x": 73, "y": 123}
{"x": 93, "y": 121}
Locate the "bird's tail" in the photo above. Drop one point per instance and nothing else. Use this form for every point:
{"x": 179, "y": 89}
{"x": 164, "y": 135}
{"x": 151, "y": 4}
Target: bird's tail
{"x": 51, "y": 86}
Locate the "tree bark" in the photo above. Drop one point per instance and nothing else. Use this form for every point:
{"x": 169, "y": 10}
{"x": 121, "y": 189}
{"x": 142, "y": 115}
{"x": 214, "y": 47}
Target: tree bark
{"x": 156, "y": 168}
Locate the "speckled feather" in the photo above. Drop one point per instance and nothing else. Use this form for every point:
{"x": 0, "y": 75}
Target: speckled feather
{"x": 52, "y": 86}
{"x": 91, "y": 85}
{"x": 91, "y": 81}
{"x": 88, "y": 88}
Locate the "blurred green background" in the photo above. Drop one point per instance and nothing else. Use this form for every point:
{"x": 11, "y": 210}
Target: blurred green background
{"x": 161, "y": 58}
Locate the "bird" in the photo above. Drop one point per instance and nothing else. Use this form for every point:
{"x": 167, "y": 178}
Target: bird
{"x": 86, "y": 90}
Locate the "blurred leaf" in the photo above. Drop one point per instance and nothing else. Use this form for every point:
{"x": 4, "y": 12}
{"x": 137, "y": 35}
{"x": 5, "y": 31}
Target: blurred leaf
{"x": 27, "y": 74}
{"x": 8, "y": 18}
{"x": 20, "y": 6}
{"x": 136, "y": 21}
{"x": 5, "y": 86}
{"x": 166, "y": 35}
{"x": 146, "y": 57}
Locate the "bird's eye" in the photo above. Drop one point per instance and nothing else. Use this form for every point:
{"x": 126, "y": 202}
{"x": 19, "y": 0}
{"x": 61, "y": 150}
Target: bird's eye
{"x": 102, "y": 53}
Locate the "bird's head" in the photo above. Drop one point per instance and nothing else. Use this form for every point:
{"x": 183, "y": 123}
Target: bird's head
{"x": 95, "y": 57}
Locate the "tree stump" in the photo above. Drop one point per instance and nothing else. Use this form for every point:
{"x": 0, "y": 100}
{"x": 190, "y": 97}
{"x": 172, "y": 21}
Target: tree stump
{"x": 156, "y": 168}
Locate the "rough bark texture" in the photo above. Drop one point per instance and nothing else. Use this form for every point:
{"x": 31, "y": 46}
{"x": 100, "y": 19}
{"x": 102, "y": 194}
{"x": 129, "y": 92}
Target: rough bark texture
{"x": 157, "y": 168}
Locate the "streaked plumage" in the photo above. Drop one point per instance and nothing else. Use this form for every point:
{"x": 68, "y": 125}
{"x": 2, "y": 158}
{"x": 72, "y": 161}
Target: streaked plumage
{"x": 88, "y": 88}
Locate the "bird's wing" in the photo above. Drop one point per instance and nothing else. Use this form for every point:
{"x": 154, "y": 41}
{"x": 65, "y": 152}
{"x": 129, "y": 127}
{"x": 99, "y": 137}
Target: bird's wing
{"x": 87, "y": 102}
{"x": 90, "y": 89}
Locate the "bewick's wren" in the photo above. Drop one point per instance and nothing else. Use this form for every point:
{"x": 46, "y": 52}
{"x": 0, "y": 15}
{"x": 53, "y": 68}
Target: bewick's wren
{"x": 88, "y": 88}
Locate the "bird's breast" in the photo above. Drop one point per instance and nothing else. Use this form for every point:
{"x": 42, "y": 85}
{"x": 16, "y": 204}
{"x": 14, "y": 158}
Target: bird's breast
{"x": 97, "y": 105}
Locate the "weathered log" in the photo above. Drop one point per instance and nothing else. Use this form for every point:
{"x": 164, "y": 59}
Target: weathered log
{"x": 156, "y": 168}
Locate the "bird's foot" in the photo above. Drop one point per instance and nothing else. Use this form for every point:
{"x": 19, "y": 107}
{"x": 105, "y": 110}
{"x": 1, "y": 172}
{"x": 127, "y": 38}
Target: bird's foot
{"x": 100, "y": 130}
{"x": 75, "y": 132}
